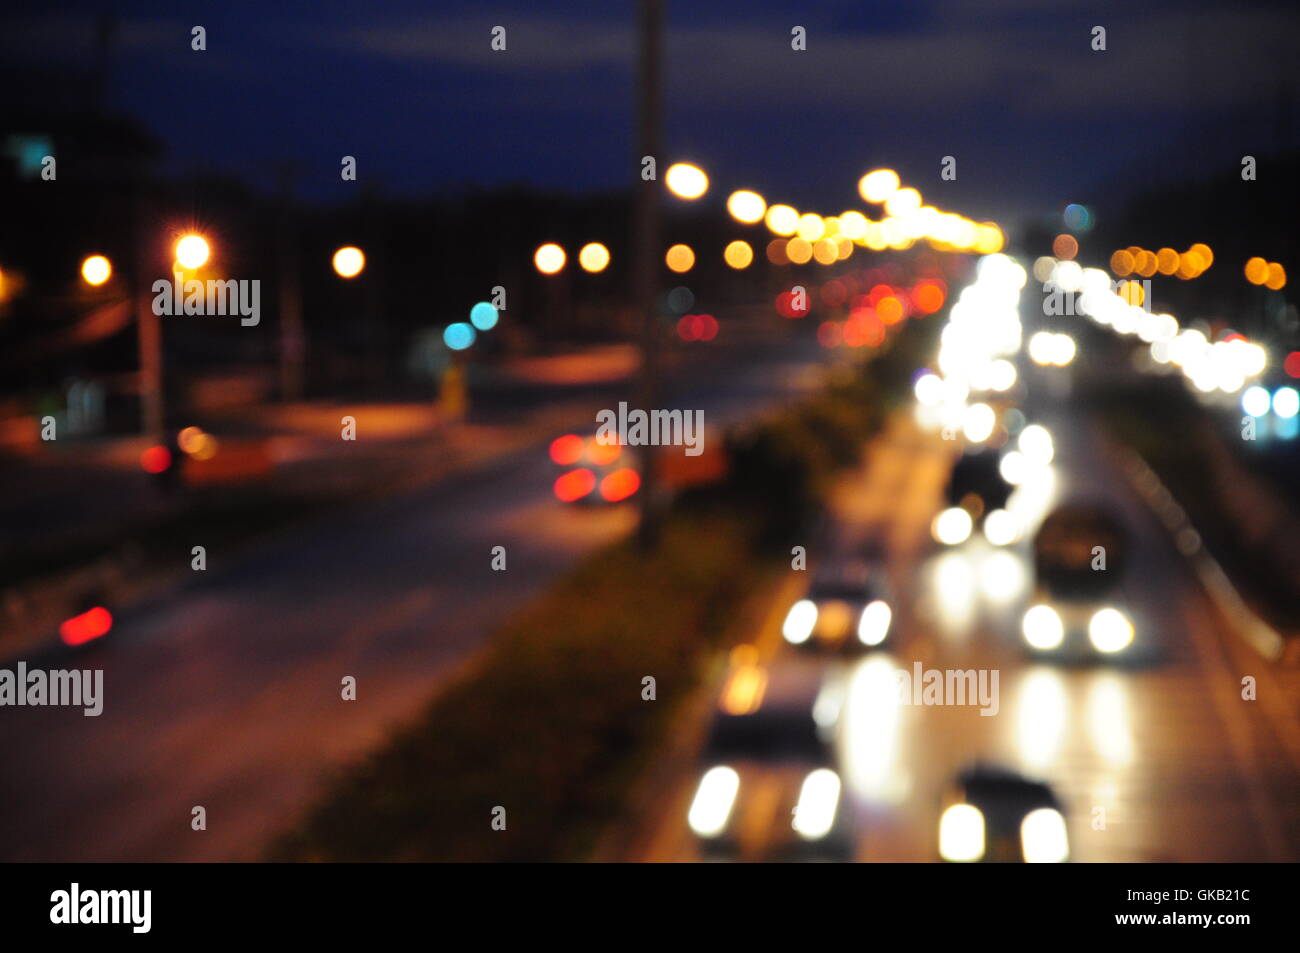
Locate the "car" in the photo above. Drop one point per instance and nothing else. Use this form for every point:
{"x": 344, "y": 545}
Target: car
{"x": 1079, "y": 608}
{"x": 845, "y": 611}
{"x": 994, "y": 815}
{"x": 593, "y": 471}
{"x": 768, "y": 788}
{"x": 977, "y": 495}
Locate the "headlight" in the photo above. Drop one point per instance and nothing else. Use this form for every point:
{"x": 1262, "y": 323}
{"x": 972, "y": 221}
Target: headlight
{"x": 961, "y": 833}
{"x": 1001, "y": 528}
{"x": 1110, "y": 631}
{"x": 819, "y": 798}
{"x": 1043, "y": 628}
{"x": 799, "y": 622}
{"x": 1035, "y": 442}
{"x": 952, "y": 526}
{"x": 1043, "y": 839}
{"x": 873, "y": 624}
{"x": 714, "y": 799}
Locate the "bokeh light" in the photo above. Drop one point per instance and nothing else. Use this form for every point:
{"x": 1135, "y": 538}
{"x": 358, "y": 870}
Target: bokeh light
{"x": 192, "y": 251}
{"x": 878, "y": 185}
{"x": 782, "y": 220}
{"x": 738, "y": 254}
{"x": 483, "y": 316}
{"x": 459, "y": 336}
{"x": 593, "y": 257}
{"x": 550, "y": 258}
{"x": 686, "y": 181}
{"x": 96, "y": 270}
{"x": 1065, "y": 246}
{"x": 746, "y": 206}
{"x": 680, "y": 258}
{"x": 349, "y": 261}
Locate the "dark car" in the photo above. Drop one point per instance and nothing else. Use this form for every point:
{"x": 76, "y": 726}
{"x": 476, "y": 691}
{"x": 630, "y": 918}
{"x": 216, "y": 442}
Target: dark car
{"x": 995, "y": 815}
{"x": 768, "y": 788}
{"x": 845, "y": 611}
{"x": 1079, "y": 606}
{"x": 976, "y": 488}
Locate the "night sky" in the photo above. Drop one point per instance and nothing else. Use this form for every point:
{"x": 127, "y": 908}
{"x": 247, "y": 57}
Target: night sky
{"x": 1011, "y": 88}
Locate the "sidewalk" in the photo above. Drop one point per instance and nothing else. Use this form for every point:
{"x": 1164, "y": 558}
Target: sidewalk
{"x": 99, "y": 531}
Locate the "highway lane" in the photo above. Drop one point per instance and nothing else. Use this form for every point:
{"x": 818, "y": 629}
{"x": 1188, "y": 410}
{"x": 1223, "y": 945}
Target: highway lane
{"x": 1157, "y": 760}
{"x": 226, "y": 693}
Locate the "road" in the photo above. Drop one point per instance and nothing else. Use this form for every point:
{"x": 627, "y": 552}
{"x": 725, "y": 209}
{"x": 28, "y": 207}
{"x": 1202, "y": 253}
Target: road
{"x": 1157, "y": 761}
{"x": 226, "y": 693}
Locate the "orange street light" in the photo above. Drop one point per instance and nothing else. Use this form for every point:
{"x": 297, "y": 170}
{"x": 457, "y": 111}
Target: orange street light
{"x": 594, "y": 257}
{"x": 349, "y": 261}
{"x": 96, "y": 270}
{"x": 686, "y": 181}
{"x": 550, "y": 258}
{"x": 192, "y": 251}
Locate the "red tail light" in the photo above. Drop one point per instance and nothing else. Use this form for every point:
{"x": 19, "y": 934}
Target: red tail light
{"x": 86, "y": 627}
{"x": 566, "y": 450}
{"x": 620, "y": 484}
{"x": 156, "y": 459}
{"x": 575, "y": 484}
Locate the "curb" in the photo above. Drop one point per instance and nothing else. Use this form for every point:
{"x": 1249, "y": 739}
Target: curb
{"x": 1261, "y": 636}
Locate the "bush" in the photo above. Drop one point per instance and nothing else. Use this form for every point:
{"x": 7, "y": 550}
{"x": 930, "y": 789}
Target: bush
{"x": 550, "y": 724}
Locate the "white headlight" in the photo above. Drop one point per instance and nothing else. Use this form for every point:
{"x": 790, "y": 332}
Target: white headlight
{"x": 1012, "y": 466}
{"x": 818, "y": 800}
{"x": 713, "y": 802}
{"x": 978, "y": 422}
{"x": 1110, "y": 631}
{"x": 961, "y": 833}
{"x": 799, "y": 622}
{"x": 1043, "y": 628}
{"x": 1001, "y": 528}
{"x": 873, "y": 624}
{"x": 1035, "y": 442}
{"x": 952, "y": 526}
{"x": 1043, "y": 839}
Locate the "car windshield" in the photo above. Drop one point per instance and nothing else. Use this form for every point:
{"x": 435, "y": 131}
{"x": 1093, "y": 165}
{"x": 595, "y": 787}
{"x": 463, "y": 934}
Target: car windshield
{"x": 841, "y": 591}
{"x": 978, "y": 474}
{"x": 766, "y": 735}
{"x": 1070, "y": 545}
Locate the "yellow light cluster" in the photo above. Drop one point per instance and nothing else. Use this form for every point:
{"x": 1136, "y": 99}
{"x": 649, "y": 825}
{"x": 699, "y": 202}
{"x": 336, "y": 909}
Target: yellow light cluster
{"x": 1136, "y": 260}
{"x": 828, "y": 239}
{"x": 1271, "y": 274}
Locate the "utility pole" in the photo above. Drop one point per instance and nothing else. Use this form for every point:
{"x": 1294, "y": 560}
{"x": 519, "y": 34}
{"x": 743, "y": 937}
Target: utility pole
{"x": 148, "y": 327}
{"x": 646, "y": 243}
{"x": 292, "y": 339}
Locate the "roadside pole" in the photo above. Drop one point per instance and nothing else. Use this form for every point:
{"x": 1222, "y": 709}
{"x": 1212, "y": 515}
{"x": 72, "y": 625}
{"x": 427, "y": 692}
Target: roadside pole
{"x": 646, "y": 243}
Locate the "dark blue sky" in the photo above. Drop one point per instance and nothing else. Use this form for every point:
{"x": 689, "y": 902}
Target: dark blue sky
{"x": 1011, "y": 88}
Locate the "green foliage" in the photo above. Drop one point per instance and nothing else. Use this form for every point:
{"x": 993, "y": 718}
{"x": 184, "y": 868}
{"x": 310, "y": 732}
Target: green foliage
{"x": 550, "y": 723}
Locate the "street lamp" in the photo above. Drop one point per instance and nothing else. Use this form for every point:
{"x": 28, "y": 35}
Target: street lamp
{"x": 594, "y": 257}
{"x": 680, "y": 258}
{"x": 878, "y": 185}
{"x": 192, "y": 251}
{"x": 549, "y": 258}
{"x": 96, "y": 270}
{"x": 686, "y": 181}
{"x": 747, "y": 207}
{"x": 349, "y": 261}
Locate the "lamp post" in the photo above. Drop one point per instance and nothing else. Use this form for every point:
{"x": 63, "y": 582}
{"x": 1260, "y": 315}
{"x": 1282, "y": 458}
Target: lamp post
{"x": 645, "y": 265}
